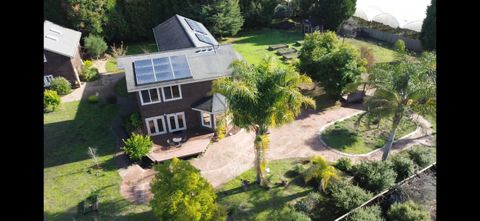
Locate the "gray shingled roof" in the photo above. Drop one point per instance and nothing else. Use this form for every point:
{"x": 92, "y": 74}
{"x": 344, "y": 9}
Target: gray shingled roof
{"x": 175, "y": 33}
{"x": 60, "y": 40}
{"x": 216, "y": 103}
{"x": 207, "y": 65}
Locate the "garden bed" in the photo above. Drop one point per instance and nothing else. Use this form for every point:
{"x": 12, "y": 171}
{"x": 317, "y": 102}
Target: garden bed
{"x": 343, "y": 136}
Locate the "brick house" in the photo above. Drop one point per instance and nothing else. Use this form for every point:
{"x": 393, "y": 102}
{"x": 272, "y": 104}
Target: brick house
{"x": 172, "y": 87}
{"x": 61, "y": 54}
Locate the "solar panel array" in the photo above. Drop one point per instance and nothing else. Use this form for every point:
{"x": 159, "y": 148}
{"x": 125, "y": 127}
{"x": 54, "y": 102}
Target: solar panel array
{"x": 161, "y": 69}
{"x": 204, "y": 38}
{"x": 200, "y": 32}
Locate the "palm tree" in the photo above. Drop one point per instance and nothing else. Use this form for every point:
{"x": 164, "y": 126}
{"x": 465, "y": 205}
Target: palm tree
{"x": 320, "y": 170}
{"x": 401, "y": 89}
{"x": 262, "y": 96}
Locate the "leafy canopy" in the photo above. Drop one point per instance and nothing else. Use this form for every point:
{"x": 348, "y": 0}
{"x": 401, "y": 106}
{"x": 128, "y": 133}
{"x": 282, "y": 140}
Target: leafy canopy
{"x": 320, "y": 171}
{"x": 137, "y": 146}
{"x": 95, "y": 45}
{"x": 181, "y": 193}
{"x": 223, "y": 17}
{"x": 407, "y": 211}
{"x": 332, "y": 13}
{"x": 428, "y": 35}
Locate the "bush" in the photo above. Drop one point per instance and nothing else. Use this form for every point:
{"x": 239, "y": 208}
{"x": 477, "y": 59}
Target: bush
{"x": 95, "y": 45}
{"x": 288, "y": 214}
{"x": 371, "y": 213}
{"x": 133, "y": 123}
{"x": 61, "y": 85}
{"x": 308, "y": 204}
{"x": 344, "y": 164}
{"x": 51, "y": 101}
{"x": 422, "y": 156}
{"x": 137, "y": 146}
{"x": 89, "y": 73}
{"x": 400, "y": 45}
{"x": 93, "y": 99}
{"x": 403, "y": 166}
{"x": 347, "y": 196}
{"x": 375, "y": 176}
{"x": 221, "y": 127}
{"x": 407, "y": 211}
{"x": 282, "y": 12}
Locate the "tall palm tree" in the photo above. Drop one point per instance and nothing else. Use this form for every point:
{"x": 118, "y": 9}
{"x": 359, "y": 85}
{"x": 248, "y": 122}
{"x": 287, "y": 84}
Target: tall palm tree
{"x": 262, "y": 96}
{"x": 321, "y": 171}
{"x": 401, "y": 89}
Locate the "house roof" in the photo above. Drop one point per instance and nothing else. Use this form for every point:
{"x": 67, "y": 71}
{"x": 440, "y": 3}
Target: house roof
{"x": 175, "y": 33}
{"x": 216, "y": 103}
{"x": 204, "y": 65}
{"x": 60, "y": 40}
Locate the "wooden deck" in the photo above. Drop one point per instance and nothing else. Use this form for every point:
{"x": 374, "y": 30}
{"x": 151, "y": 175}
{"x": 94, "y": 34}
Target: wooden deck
{"x": 194, "y": 145}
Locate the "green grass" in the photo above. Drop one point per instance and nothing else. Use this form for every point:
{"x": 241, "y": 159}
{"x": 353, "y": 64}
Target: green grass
{"x": 68, "y": 177}
{"x": 121, "y": 88}
{"x": 137, "y": 48}
{"x": 381, "y": 53}
{"x": 111, "y": 66}
{"x": 257, "y": 203}
{"x": 343, "y": 136}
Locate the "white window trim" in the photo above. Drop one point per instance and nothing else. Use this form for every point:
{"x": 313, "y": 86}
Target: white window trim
{"x": 147, "y": 103}
{"x": 173, "y": 99}
{"x": 46, "y": 81}
{"x": 176, "y": 121}
{"x": 201, "y": 119}
{"x": 156, "y": 125}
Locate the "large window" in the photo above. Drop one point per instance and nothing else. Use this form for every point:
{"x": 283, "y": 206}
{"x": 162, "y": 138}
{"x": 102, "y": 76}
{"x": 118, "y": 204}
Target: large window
{"x": 150, "y": 96}
{"x": 176, "y": 122}
{"x": 206, "y": 119}
{"x": 155, "y": 125}
{"x": 47, "y": 79}
{"x": 172, "y": 93}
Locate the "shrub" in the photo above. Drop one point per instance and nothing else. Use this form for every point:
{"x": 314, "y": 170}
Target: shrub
{"x": 288, "y": 214}
{"x": 282, "y": 12}
{"x": 320, "y": 172}
{"x": 371, "y": 213}
{"x": 307, "y": 205}
{"x": 400, "y": 45}
{"x": 133, "y": 123}
{"x": 118, "y": 51}
{"x": 95, "y": 45}
{"x": 51, "y": 100}
{"x": 407, "y": 211}
{"x": 89, "y": 73}
{"x": 375, "y": 176}
{"x": 92, "y": 99}
{"x": 221, "y": 127}
{"x": 422, "y": 156}
{"x": 61, "y": 85}
{"x": 403, "y": 166}
{"x": 137, "y": 146}
{"x": 347, "y": 196}
{"x": 344, "y": 164}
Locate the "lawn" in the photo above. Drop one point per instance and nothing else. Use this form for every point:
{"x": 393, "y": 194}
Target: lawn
{"x": 111, "y": 66}
{"x": 343, "y": 136}
{"x": 257, "y": 203}
{"x": 139, "y": 48}
{"x": 68, "y": 174}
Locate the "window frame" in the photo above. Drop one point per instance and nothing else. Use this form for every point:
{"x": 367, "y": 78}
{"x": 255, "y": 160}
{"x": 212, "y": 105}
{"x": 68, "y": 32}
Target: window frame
{"x": 175, "y": 115}
{"x": 201, "y": 119}
{"x": 171, "y": 91}
{"x": 149, "y": 95}
{"x": 46, "y": 82}
{"x": 155, "y": 124}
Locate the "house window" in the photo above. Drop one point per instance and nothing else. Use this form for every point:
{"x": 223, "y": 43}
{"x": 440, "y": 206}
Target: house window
{"x": 44, "y": 58}
{"x": 150, "y": 96}
{"x": 172, "y": 93}
{"x": 47, "y": 79}
{"x": 176, "y": 122}
{"x": 155, "y": 125}
{"x": 206, "y": 119}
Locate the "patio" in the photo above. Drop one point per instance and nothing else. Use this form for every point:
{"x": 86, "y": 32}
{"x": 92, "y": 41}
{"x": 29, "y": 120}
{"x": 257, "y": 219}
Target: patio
{"x": 194, "y": 143}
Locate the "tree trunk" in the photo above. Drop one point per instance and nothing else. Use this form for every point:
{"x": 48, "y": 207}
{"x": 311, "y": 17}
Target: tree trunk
{"x": 261, "y": 143}
{"x": 391, "y": 137}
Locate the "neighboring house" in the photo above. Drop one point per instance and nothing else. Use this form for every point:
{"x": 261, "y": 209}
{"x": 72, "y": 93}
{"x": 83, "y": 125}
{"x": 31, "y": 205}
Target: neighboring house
{"x": 61, "y": 54}
{"x": 172, "y": 86}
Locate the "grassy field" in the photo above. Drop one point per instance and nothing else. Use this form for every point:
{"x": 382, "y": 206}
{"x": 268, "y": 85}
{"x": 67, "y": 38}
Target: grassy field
{"x": 258, "y": 203}
{"x": 138, "y": 48}
{"x": 344, "y": 137}
{"x": 68, "y": 174}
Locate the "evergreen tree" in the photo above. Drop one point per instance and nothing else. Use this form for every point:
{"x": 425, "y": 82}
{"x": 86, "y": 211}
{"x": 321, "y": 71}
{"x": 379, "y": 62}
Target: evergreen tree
{"x": 331, "y": 13}
{"x": 223, "y": 17}
{"x": 428, "y": 36}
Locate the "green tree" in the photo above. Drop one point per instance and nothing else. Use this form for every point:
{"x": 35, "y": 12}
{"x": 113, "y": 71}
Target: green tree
{"x": 332, "y": 13}
{"x": 88, "y": 16}
{"x": 263, "y": 96}
{"x": 257, "y": 13}
{"x": 401, "y": 89}
{"x": 51, "y": 100}
{"x": 428, "y": 35}
{"x": 223, "y": 17}
{"x": 400, "y": 46}
{"x": 320, "y": 171}
{"x": 302, "y": 7}
{"x": 337, "y": 67}
{"x": 95, "y": 45}
{"x": 181, "y": 193}
{"x": 407, "y": 211}
{"x": 137, "y": 146}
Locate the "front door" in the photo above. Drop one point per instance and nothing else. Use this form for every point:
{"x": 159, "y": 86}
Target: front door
{"x": 176, "y": 122}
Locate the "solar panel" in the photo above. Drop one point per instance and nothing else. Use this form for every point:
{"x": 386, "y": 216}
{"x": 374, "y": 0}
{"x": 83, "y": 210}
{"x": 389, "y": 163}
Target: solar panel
{"x": 162, "y": 69}
{"x": 196, "y": 26}
{"x": 144, "y": 71}
{"x": 204, "y": 38}
{"x": 180, "y": 67}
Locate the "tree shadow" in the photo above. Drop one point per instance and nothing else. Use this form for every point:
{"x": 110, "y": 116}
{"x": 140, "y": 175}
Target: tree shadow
{"x": 340, "y": 138}
{"x": 270, "y": 37}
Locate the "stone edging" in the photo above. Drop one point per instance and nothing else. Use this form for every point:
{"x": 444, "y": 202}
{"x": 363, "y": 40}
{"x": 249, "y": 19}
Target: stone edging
{"x": 356, "y": 155}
